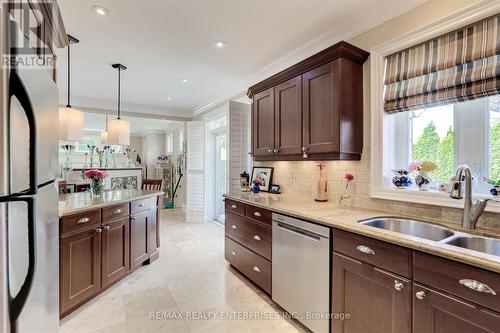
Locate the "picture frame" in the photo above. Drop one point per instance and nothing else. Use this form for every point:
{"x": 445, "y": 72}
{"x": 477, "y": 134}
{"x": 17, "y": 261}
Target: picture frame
{"x": 265, "y": 173}
{"x": 275, "y": 188}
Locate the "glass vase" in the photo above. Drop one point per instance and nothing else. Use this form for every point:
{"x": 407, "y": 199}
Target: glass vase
{"x": 97, "y": 187}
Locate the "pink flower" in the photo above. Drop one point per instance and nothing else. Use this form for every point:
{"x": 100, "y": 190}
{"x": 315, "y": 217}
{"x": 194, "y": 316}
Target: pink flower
{"x": 96, "y": 174}
{"x": 414, "y": 166}
{"x": 258, "y": 180}
{"x": 349, "y": 177}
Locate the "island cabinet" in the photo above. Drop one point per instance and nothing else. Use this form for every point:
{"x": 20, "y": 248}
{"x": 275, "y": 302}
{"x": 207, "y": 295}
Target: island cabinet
{"x": 312, "y": 110}
{"x": 101, "y": 246}
{"x": 248, "y": 242}
{"x": 387, "y": 288}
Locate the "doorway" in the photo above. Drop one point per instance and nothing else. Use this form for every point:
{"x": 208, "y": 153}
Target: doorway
{"x": 220, "y": 168}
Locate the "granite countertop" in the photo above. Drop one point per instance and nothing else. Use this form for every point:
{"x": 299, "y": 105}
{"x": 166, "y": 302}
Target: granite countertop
{"x": 346, "y": 218}
{"x": 78, "y": 202}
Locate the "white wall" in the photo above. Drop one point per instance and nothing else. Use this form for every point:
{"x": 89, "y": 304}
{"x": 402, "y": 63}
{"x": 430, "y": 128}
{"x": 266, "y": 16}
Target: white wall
{"x": 153, "y": 145}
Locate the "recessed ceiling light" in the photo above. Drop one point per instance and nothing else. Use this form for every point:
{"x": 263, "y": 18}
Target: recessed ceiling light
{"x": 220, "y": 44}
{"x": 184, "y": 80}
{"x": 100, "y": 10}
{"x": 169, "y": 98}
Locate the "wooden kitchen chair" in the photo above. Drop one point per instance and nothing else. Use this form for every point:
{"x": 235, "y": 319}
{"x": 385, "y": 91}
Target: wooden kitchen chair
{"x": 152, "y": 184}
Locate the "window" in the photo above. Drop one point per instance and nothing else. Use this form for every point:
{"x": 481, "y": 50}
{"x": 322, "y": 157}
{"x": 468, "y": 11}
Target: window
{"x": 170, "y": 143}
{"x": 182, "y": 147}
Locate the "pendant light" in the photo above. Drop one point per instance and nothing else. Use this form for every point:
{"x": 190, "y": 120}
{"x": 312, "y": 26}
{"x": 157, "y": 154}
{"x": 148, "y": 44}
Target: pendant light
{"x": 70, "y": 119}
{"x": 104, "y": 135}
{"x": 118, "y": 129}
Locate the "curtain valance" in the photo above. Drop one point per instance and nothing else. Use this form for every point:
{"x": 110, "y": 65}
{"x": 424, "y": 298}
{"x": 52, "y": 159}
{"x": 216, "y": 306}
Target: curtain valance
{"x": 458, "y": 66}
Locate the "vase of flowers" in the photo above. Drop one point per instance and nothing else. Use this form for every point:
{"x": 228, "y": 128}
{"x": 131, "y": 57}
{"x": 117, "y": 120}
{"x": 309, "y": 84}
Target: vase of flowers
{"x": 348, "y": 178}
{"x": 96, "y": 181}
{"x": 68, "y": 149}
{"x": 91, "y": 149}
{"x": 129, "y": 153}
{"x": 107, "y": 150}
{"x": 100, "y": 155}
{"x": 422, "y": 169}
{"x": 401, "y": 178}
{"x": 256, "y": 185}
{"x": 114, "y": 155}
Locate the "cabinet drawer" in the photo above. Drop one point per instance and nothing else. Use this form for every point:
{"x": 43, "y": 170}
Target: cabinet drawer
{"x": 115, "y": 212}
{"x": 253, "y": 235}
{"x": 235, "y": 207}
{"x": 378, "y": 253}
{"x": 249, "y": 263}
{"x": 454, "y": 278}
{"x": 80, "y": 221}
{"x": 259, "y": 214}
{"x": 138, "y": 206}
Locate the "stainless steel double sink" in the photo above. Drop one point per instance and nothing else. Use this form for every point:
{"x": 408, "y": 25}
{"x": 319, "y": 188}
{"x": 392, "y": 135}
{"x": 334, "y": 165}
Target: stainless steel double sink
{"x": 436, "y": 233}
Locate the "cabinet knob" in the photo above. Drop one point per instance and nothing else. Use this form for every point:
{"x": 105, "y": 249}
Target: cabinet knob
{"x": 83, "y": 220}
{"x": 234, "y": 227}
{"x": 132, "y": 218}
{"x": 398, "y": 285}
{"x": 234, "y": 206}
{"x": 256, "y": 269}
{"x": 269, "y": 151}
{"x": 276, "y": 150}
{"x": 420, "y": 294}
{"x": 233, "y": 253}
{"x": 98, "y": 230}
{"x": 117, "y": 211}
{"x": 141, "y": 205}
{"x": 258, "y": 214}
{"x": 365, "y": 249}
{"x": 257, "y": 238}
{"x": 305, "y": 154}
{"x": 106, "y": 227}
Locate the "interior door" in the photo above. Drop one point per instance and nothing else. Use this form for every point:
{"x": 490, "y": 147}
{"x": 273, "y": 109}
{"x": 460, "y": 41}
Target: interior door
{"x": 263, "y": 123}
{"x": 321, "y": 109}
{"x": 288, "y": 117}
{"x": 220, "y": 174}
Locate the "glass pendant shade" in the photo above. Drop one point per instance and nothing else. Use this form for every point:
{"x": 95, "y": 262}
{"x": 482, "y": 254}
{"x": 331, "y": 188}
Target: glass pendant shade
{"x": 70, "y": 124}
{"x": 104, "y": 138}
{"x": 119, "y": 132}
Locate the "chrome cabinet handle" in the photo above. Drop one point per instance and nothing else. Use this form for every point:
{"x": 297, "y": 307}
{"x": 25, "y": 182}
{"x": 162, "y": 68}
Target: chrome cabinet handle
{"x": 98, "y": 230}
{"x": 140, "y": 205}
{"x": 398, "y": 285}
{"x": 258, "y": 214}
{"x": 420, "y": 294}
{"x": 256, "y": 269}
{"x": 233, "y": 253}
{"x": 234, "y": 206}
{"x": 477, "y": 286}
{"x": 257, "y": 238}
{"x": 234, "y": 227}
{"x": 106, "y": 227}
{"x": 365, "y": 249}
{"x": 83, "y": 220}
{"x": 117, "y": 211}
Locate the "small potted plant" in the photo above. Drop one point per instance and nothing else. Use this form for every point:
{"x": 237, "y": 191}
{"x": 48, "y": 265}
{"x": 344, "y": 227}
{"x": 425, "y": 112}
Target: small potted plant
{"x": 256, "y": 185}
{"x": 96, "y": 181}
{"x": 495, "y": 190}
{"x": 422, "y": 168}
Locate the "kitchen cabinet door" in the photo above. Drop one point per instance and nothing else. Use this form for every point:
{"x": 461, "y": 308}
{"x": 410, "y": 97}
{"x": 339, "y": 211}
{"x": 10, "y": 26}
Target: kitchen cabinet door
{"x": 435, "y": 312}
{"x": 152, "y": 236}
{"x": 115, "y": 251}
{"x": 263, "y": 123}
{"x": 288, "y": 117}
{"x": 376, "y": 300}
{"x": 139, "y": 239}
{"x": 80, "y": 267}
{"x": 321, "y": 109}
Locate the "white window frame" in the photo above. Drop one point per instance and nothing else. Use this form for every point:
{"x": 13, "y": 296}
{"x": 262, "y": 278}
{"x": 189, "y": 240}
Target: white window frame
{"x": 380, "y": 156}
{"x": 169, "y": 138}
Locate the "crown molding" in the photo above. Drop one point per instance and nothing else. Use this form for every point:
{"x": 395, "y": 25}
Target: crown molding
{"x": 129, "y": 114}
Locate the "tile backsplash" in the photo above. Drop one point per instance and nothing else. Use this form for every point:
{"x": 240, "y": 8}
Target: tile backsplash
{"x": 299, "y": 178}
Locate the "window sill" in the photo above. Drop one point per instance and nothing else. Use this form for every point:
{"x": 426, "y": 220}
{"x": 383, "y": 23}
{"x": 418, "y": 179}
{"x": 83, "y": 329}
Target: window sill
{"x": 433, "y": 198}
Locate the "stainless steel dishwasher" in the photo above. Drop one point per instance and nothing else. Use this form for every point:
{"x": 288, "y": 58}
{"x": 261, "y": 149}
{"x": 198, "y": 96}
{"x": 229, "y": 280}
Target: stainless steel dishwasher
{"x": 301, "y": 271}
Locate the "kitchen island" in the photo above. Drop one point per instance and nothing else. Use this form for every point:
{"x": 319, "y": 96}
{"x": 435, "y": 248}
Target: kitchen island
{"x": 102, "y": 240}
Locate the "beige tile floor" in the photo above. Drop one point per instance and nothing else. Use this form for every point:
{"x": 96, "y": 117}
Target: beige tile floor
{"x": 190, "y": 278}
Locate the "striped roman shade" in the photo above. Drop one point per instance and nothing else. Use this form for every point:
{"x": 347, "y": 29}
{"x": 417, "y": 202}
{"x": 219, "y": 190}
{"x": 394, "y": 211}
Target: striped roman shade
{"x": 459, "y": 66}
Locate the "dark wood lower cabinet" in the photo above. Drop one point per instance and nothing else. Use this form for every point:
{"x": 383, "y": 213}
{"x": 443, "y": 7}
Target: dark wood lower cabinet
{"x": 376, "y": 300}
{"x": 435, "y": 312}
{"x": 139, "y": 239}
{"x": 80, "y": 266}
{"x": 115, "y": 251}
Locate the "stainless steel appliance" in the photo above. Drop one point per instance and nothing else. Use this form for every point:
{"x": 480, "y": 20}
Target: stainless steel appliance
{"x": 29, "y": 246}
{"x": 301, "y": 271}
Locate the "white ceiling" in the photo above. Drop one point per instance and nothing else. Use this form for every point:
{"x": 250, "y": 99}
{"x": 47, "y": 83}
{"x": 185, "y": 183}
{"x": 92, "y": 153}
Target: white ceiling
{"x": 95, "y": 122}
{"x": 162, "y": 41}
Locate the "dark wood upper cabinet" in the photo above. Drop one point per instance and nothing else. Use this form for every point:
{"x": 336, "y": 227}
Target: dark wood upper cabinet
{"x": 80, "y": 267}
{"x": 288, "y": 117}
{"x": 312, "y": 110}
{"x": 377, "y": 301}
{"x": 435, "y": 312}
{"x": 263, "y": 120}
{"x": 115, "y": 251}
